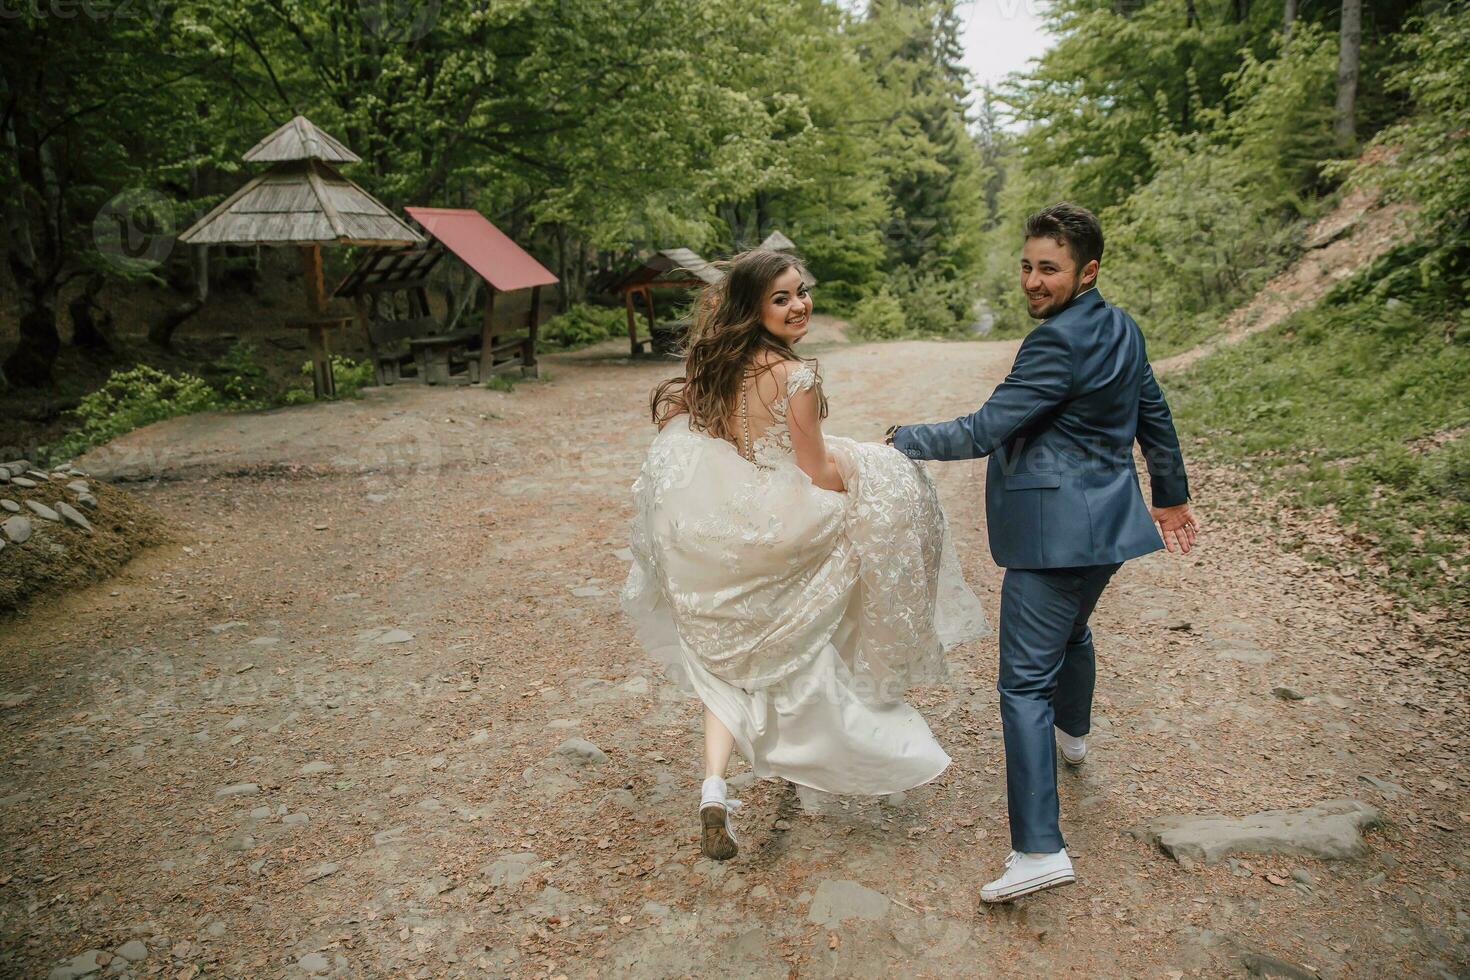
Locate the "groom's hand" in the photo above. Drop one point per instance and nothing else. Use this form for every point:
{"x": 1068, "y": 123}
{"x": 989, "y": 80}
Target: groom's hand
{"x": 1177, "y": 525}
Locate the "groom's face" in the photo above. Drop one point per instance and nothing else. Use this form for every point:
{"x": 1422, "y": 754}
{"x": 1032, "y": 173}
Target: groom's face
{"x": 1050, "y": 277}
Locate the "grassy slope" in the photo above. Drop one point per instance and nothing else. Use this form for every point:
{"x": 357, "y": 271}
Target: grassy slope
{"x": 1337, "y": 406}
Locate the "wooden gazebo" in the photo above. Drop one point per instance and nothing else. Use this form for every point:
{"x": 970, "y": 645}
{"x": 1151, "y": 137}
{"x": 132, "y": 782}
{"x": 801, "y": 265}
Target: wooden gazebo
{"x": 498, "y": 344}
{"x": 302, "y": 201}
{"x": 777, "y": 242}
{"x": 670, "y": 268}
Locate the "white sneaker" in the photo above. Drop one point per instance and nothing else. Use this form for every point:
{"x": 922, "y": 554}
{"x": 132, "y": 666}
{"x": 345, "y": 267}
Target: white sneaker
{"x": 1074, "y": 749}
{"x": 1027, "y": 873}
{"x": 717, "y": 839}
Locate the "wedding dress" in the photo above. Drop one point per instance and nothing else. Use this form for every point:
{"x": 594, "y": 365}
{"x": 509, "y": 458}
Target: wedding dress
{"x": 799, "y": 615}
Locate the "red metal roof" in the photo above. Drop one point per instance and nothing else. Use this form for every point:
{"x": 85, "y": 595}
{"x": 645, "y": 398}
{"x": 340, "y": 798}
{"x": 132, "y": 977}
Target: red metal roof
{"x": 483, "y": 247}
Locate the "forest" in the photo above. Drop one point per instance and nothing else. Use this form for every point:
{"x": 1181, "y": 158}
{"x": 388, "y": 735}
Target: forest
{"x": 1207, "y": 134}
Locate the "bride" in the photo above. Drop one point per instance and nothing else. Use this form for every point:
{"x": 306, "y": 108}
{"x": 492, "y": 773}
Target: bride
{"x": 798, "y": 584}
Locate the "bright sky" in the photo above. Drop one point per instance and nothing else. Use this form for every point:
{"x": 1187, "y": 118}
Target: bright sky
{"x": 1000, "y": 36}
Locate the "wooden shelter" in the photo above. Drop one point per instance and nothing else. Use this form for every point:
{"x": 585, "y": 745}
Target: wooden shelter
{"x": 670, "y": 268}
{"x": 384, "y": 277}
{"x": 302, "y": 201}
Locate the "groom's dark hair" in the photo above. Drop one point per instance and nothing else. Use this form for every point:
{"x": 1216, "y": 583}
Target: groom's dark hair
{"x": 1071, "y": 225}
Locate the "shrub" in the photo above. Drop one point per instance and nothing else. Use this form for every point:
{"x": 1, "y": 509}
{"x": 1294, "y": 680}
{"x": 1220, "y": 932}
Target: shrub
{"x": 880, "y": 316}
{"x": 584, "y": 324}
{"x": 239, "y": 378}
{"x": 129, "y": 400}
{"x": 349, "y": 376}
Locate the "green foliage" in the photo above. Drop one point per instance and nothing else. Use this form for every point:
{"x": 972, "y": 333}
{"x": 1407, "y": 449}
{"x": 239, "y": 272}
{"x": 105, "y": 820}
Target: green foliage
{"x": 1426, "y": 158}
{"x": 349, "y": 377}
{"x": 934, "y": 305}
{"x": 501, "y": 382}
{"x": 584, "y": 324}
{"x": 1337, "y": 406}
{"x": 880, "y": 316}
{"x": 128, "y": 400}
{"x": 1222, "y": 211}
{"x": 239, "y": 378}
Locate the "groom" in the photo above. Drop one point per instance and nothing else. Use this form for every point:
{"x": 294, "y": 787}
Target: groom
{"x": 1064, "y": 511}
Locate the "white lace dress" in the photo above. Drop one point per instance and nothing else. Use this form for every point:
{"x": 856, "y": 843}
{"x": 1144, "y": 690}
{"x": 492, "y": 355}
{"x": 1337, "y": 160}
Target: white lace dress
{"x": 799, "y": 615}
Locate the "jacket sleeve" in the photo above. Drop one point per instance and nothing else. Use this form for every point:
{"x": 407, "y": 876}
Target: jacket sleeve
{"x": 1041, "y": 379}
{"x": 1161, "y": 454}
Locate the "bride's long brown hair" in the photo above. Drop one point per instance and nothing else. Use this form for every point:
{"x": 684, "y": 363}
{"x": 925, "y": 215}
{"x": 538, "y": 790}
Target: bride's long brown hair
{"x": 723, "y": 344}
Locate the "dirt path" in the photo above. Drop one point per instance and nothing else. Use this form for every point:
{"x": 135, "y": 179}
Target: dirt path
{"x": 321, "y": 736}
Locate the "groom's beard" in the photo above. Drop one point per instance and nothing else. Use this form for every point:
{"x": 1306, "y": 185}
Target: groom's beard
{"x": 1056, "y": 305}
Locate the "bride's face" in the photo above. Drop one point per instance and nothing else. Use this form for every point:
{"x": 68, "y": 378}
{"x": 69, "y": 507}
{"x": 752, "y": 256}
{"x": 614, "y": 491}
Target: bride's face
{"x": 787, "y": 307}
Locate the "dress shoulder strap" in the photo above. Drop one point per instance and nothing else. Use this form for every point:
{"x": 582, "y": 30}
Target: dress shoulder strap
{"x": 800, "y": 379}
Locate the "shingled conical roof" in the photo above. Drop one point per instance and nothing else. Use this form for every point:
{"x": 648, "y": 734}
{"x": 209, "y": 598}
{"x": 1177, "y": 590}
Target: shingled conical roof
{"x": 301, "y": 203}
{"x": 300, "y": 200}
{"x": 299, "y": 139}
{"x": 778, "y": 242}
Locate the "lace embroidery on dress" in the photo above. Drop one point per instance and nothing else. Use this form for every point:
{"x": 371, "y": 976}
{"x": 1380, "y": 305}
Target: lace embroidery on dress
{"x": 773, "y": 446}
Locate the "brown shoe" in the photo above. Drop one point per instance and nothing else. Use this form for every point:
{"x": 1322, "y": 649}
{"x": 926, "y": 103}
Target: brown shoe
{"x": 717, "y": 837}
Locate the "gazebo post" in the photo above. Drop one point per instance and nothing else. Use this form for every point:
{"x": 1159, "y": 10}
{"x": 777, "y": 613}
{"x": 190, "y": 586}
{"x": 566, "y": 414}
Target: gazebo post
{"x": 632, "y": 324}
{"x": 528, "y": 349}
{"x": 648, "y": 302}
{"x": 487, "y": 334}
{"x": 322, "y": 382}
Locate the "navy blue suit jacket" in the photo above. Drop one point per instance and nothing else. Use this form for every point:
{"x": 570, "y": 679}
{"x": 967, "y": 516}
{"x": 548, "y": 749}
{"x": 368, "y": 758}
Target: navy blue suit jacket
{"x": 1061, "y": 489}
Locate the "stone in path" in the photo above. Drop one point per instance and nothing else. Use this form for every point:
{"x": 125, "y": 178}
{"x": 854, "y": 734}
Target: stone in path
{"x": 1261, "y": 965}
{"x": 511, "y": 869}
{"x": 318, "y": 871}
{"x": 839, "y": 899}
{"x": 1328, "y": 831}
{"x": 314, "y": 963}
{"x": 10, "y": 505}
{"x": 394, "y": 636}
{"x": 81, "y": 965}
{"x": 582, "y": 752}
{"x": 239, "y": 789}
{"x": 42, "y": 511}
{"x": 133, "y": 950}
{"x": 17, "y": 529}
{"x": 317, "y": 768}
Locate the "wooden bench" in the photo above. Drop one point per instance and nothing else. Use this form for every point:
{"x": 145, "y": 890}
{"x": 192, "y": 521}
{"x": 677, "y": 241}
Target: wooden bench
{"x": 392, "y": 352}
{"x": 442, "y": 358}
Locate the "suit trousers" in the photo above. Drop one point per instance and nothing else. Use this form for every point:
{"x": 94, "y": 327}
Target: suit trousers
{"x": 1047, "y": 672}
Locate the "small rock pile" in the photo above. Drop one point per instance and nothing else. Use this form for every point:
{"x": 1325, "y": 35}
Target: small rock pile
{"x": 58, "y": 528}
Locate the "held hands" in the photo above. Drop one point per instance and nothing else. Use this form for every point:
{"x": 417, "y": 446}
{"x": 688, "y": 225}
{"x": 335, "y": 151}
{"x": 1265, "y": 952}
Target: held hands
{"x": 888, "y": 436}
{"x": 1178, "y": 526}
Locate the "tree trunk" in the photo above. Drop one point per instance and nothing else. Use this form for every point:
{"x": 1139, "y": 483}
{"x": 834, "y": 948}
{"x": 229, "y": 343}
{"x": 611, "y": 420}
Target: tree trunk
{"x": 161, "y": 332}
{"x": 562, "y": 288}
{"x": 1288, "y": 19}
{"x": 30, "y": 363}
{"x": 89, "y": 331}
{"x": 1349, "y": 49}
